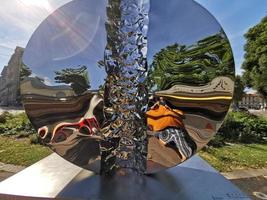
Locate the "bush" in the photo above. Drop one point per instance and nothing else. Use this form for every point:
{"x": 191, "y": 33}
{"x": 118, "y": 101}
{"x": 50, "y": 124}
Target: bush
{"x": 217, "y": 141}
{"x": 4, "y": 116}
{"x": 243, "y": 127}
{"x": 18, "y": 124}
{"x": 34, "y": 139}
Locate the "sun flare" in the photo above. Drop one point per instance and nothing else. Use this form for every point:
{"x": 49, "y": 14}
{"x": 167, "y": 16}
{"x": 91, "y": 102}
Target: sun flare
{"x": 37, "y": 3}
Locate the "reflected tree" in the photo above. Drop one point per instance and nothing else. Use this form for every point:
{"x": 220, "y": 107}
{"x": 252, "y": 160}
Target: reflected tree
{"x": 192, "y": 65}
{"x": 24, "y": 71}
{"x": 76, "y": 77}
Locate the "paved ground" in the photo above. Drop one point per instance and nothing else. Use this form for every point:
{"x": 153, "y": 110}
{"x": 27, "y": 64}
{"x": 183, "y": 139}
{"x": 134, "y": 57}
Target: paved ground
{"x": 261, "y": 113}
{"x": 253, "y": 182}
{"x": 12, "y": 110}
{"x": 248, "y": 173}
{"x": 10, "y": 168}
{"x": 4, "y": 175}
{"x": 254, "y": 187}
{"x": 7, "y": 170}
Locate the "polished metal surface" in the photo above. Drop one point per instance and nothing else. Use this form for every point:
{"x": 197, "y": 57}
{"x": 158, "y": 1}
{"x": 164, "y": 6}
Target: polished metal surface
{"x": 127, "y": 84}
{"x": 45, "y": 178}
{"x": 193, "y": 179}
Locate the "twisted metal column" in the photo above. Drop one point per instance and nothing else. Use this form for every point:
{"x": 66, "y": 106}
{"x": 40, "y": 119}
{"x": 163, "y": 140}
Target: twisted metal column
{"x": 125, "y": 91}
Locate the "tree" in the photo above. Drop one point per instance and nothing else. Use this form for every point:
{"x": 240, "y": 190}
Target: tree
{"x": 239, "y": 91}
{"x": 255, "y": 64}
{"x": 77, "y": 78}
{"x": 24, "y": 72}
{"x": 192, "y": 65}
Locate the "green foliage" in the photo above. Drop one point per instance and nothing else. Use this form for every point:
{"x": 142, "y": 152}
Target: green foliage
{"x": 192, "y": 65}
{"x": 244, "y": 128}
{"x": 236, "y": 156}
{"x": 77, "y": 78}
{"x": 217, "y": 141}
{"x": 18, "y": 124}
{"x": 4, "y": 116}
{"x": 255, "y": 64}
{"x": 34, "y": 139}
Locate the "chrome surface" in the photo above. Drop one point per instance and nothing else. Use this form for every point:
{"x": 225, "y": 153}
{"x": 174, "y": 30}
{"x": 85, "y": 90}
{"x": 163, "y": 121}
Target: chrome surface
{"x": 127, "y": 84}
{"x": 45, "y": 179}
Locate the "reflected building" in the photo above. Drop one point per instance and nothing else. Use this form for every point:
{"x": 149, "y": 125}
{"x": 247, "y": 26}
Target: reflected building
{"x": 9, "y": 80}
{"x": 38, "y": 87}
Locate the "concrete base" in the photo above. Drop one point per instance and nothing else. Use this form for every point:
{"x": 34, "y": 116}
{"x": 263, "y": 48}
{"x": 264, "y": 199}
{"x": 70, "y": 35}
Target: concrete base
{"x": 55, "y": 178}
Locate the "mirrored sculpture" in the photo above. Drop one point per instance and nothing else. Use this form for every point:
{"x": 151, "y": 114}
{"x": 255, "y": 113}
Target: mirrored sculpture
{"x": 137, "y": 84}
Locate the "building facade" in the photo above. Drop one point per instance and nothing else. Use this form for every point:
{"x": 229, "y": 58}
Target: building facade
{"x": 10, "y": 80}
{"x": 253, "y": 101}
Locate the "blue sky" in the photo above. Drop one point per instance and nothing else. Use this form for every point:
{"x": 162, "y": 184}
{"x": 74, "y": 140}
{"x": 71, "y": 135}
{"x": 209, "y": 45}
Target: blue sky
{"x": 19, "y": 19}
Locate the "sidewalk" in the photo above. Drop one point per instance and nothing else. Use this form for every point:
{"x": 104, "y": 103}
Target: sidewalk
{"x": 7, "y": 170}
{"x": 248, "y": 173}
{"x": 12, "y": 110}
{"x": 10, "y": 168}
{"x": 253, "y": 182}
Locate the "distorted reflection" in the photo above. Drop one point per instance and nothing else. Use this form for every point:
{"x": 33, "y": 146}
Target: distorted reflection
{"x": 127, "y": 83}
{"x": 190, "y": 81}
{"x": 62, "y": 84}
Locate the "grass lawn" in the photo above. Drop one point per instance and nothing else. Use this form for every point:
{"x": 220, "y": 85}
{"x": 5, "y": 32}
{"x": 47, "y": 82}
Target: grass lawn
{"x": 20, "y": 151}
{"x": 236, "y": 156}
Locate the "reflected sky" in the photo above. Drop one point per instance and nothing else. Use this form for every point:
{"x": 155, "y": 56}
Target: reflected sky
{"x": 73, "y": 35}
{"x": 178, "y": 21}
